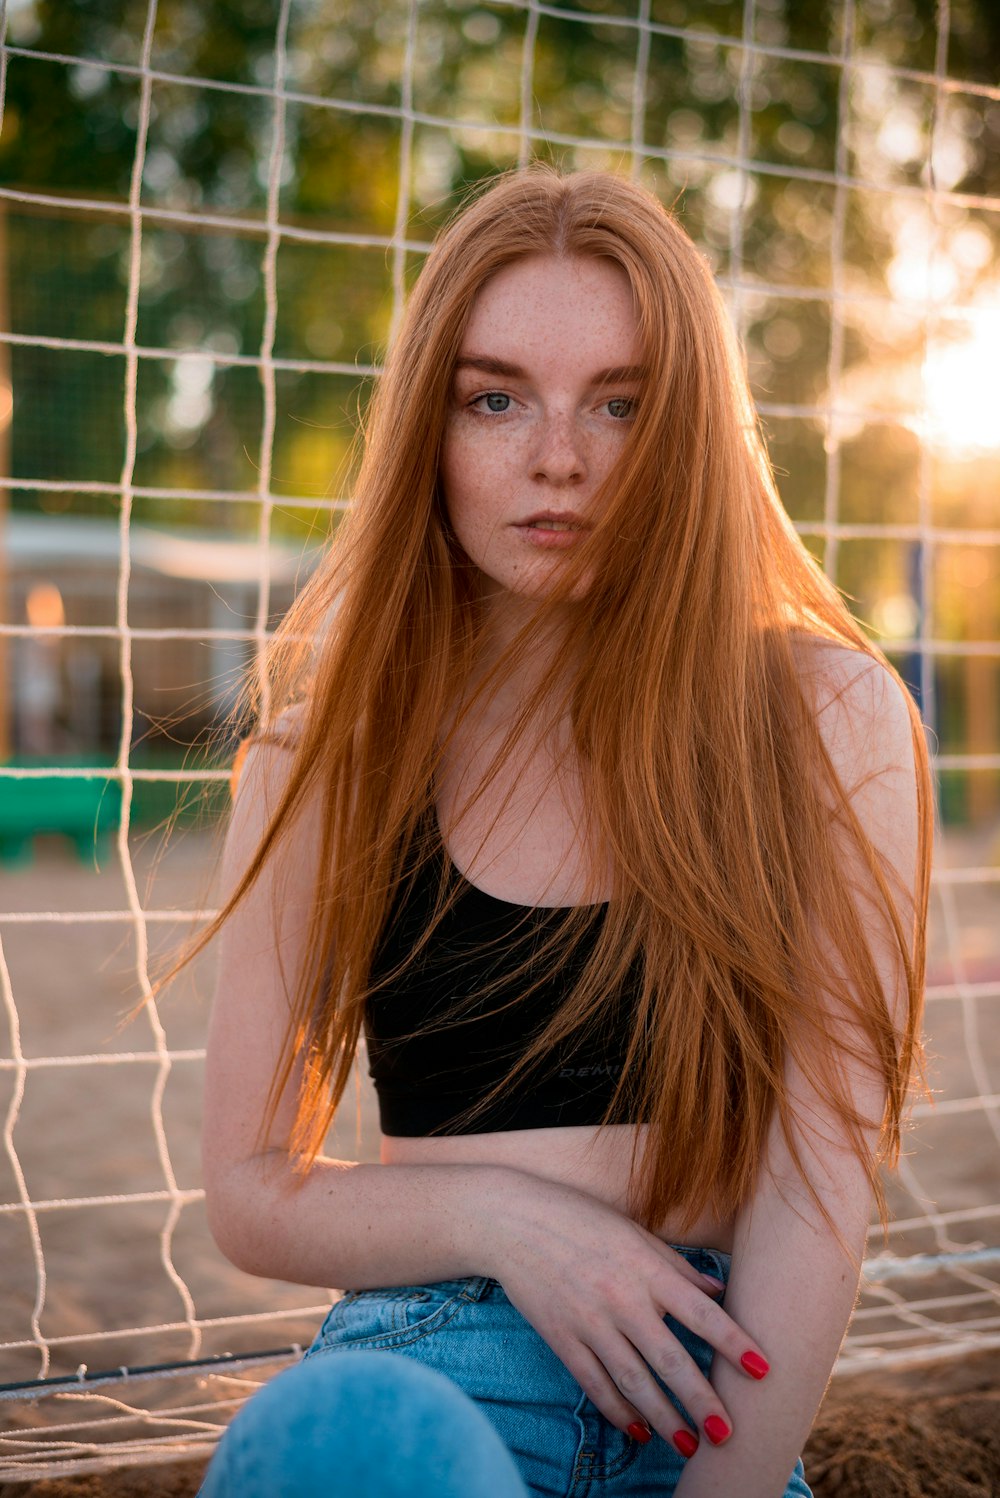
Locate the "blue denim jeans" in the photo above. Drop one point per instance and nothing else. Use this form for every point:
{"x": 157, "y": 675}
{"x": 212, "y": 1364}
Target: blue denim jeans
{"x": 469, "y": 1403}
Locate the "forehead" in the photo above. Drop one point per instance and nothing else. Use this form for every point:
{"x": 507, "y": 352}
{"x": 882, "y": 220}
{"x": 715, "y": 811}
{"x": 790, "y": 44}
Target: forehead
{"x": 552, "y": 304}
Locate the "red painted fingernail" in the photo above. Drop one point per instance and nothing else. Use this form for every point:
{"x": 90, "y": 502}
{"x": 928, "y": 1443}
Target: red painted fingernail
{"x": 640, "y": 1432}
{"x": 716, "y": 1429}
{"x": 756, "y": 1366}
{"x": 686, "y": 1443}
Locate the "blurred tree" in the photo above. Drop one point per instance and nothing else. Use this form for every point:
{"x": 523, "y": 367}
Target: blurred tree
{"x": 811, "y": 204}
{"x": 70, "y": 130}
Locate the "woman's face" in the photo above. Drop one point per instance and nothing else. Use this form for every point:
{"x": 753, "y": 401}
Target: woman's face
{"x": 543, "y": 397}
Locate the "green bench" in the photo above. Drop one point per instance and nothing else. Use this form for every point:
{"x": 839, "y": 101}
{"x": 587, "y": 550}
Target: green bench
{"x": 87, "y": 810}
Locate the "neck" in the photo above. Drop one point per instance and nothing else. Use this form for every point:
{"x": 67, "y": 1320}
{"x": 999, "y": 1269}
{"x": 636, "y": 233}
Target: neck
{"x": 531, "y": 653}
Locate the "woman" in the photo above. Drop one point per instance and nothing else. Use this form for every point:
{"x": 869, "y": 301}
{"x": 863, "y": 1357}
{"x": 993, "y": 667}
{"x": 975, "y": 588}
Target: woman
{"x": 580, "y": 791}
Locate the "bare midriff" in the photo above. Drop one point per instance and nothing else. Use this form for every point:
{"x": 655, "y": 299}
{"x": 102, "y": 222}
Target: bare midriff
{"x": 592, "y": 1160}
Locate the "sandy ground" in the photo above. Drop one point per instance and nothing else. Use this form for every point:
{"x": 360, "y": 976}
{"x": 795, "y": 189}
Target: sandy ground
{"x": 87, "y": 1131}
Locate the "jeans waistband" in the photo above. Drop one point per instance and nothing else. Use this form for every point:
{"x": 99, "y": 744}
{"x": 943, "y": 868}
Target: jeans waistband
{"x": 476, "y": 1287}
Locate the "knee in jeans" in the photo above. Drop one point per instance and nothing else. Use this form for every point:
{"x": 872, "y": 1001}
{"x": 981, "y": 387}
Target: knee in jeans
{"x": 378, "y": 1423}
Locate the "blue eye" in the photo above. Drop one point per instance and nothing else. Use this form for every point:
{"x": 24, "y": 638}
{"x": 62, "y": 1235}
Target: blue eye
{"x": 622, "y": 407}
{"x": 496, "y": 401}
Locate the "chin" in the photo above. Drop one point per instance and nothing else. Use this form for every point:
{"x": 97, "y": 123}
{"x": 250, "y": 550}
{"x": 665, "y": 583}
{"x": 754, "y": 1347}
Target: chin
{"x": 542, "y": 592}
{"x": 534, "y": 586}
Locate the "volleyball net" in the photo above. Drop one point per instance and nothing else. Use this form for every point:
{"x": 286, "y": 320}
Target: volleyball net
{"x": 838, "y": 171}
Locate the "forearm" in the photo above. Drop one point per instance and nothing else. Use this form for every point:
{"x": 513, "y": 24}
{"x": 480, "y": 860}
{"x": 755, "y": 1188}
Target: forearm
{"x": 793, "y": 1287}
{"x": 360, "y": 1226}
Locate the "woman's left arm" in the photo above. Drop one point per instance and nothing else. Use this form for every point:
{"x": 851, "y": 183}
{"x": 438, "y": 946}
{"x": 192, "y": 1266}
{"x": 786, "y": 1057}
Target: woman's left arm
{"x": 794, "y": 1280}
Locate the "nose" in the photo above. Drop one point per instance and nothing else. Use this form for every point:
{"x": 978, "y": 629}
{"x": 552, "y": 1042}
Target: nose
{"x": 559, "y": 455}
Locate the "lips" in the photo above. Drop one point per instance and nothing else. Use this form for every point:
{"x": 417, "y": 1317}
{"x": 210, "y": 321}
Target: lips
{"x": 552, "y": 530}
{"x": 554, "y": 520}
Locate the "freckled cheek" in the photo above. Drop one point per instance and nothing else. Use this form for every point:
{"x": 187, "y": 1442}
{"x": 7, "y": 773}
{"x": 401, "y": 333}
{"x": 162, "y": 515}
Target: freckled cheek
{"x": 477, "y": 471}
{"x": 474, "y": 496}
{"x": 605, "y": 452}
{"x": 463, "y": 458}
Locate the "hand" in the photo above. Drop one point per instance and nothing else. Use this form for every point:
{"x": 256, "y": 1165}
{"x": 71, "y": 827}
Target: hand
{"x": 596, "y": 1286}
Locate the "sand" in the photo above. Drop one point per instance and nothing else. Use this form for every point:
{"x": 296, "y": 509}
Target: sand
{"x": 87, "y": 1131}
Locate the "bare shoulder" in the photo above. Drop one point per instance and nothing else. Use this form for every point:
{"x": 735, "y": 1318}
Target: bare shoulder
{"x": 261, "y": 776}
{"x": 864, "y": 715}
{"x": 264, "y": 761}
{"x": 870, "y": 729}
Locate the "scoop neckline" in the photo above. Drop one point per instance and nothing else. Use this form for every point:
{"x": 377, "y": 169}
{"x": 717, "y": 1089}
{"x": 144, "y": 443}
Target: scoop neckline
{"x": 484, "y": 894}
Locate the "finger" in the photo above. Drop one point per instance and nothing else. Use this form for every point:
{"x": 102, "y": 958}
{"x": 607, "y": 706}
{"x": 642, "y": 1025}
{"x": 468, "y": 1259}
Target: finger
{"x": 704, "y": 1282}
{"x": 713, "y": 1325}
{"x": 631, "y": 1370}
{"x": 604, "y": 1393}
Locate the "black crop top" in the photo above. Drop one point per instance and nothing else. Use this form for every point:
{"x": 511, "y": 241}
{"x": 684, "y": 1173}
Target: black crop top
{"x": 427, "y": 1073}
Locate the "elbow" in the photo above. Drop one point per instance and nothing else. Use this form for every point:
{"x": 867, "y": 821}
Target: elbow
{"x": 223, "y": 1210}
{"x": 244, "y": 1224}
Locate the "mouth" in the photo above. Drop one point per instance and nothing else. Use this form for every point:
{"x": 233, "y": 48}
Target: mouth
{"x": 553, "y": 520}
{"x": 552, "y": 530}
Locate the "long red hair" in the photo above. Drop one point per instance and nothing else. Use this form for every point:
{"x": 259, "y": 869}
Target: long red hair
{"x": 707, "y": 779}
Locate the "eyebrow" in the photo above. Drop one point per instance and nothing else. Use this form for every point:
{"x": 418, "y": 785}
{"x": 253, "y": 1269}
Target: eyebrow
{"x": 617, "y": 374}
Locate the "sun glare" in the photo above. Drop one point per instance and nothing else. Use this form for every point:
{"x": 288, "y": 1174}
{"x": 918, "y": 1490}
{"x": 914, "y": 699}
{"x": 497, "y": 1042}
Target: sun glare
{"x": 962, "y": 389}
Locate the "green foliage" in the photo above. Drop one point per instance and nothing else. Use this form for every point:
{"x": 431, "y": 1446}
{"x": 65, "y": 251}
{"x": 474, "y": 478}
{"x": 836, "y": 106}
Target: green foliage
{"x": 71, "y": 130}
{"x": 770, "y": 232}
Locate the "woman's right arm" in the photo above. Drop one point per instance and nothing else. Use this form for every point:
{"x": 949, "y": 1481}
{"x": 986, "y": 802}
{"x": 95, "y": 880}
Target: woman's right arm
{"x": 592, "y": 1282}
{"x": 343, "y": 1223}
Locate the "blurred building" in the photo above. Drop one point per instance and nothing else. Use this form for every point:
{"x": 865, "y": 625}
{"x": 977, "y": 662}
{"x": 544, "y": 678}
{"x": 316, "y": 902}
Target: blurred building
{"x": 65, "y": 691}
